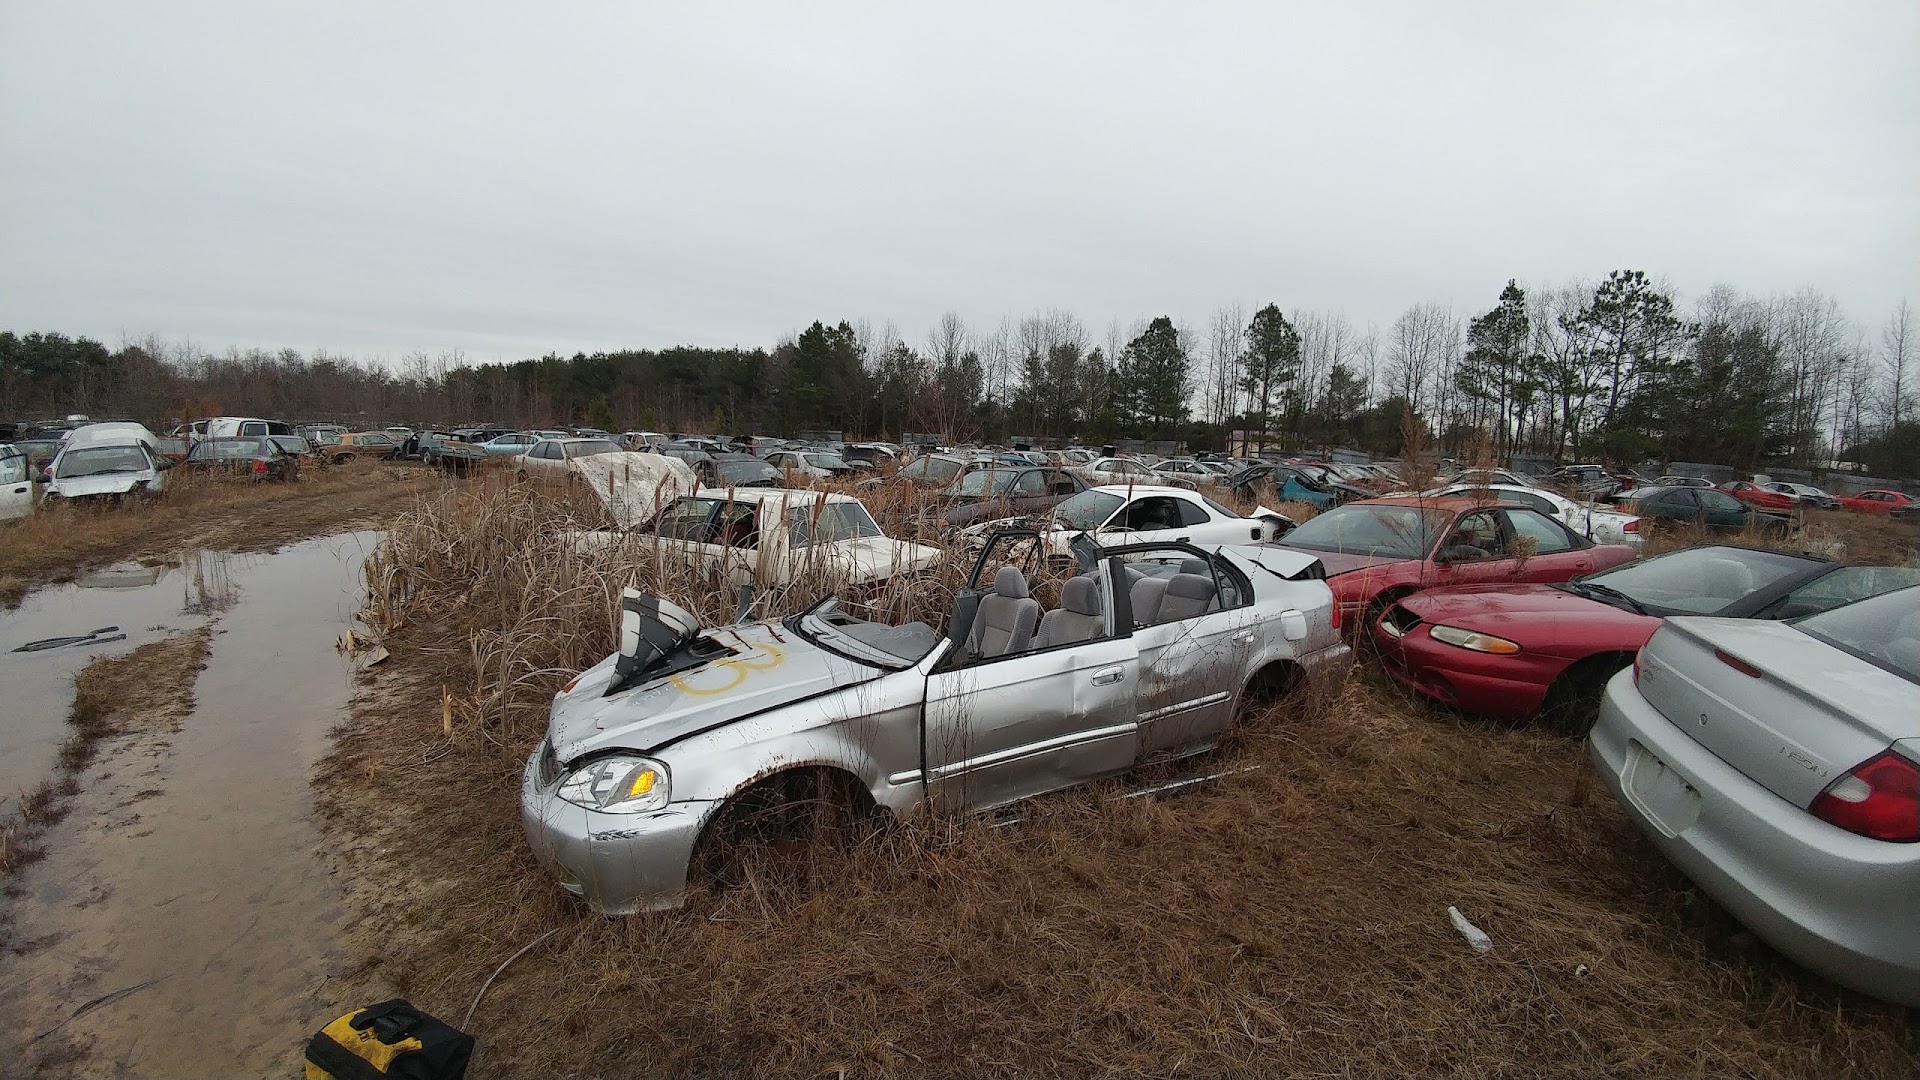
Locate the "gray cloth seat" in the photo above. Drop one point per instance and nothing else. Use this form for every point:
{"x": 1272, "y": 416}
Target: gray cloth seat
{"x": 1188, "y": 596}
{"x": 1078, "y": 618}
{"x": 1145, "y": 598}
{"x": 1007, "y": 616}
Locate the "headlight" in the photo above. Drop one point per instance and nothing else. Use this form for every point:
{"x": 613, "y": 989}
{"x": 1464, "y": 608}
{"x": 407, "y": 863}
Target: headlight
{"x": 621, "y": 784}
{"x": 1478, "y": 642}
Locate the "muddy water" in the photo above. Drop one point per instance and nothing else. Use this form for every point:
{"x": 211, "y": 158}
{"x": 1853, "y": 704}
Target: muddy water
{"x": 189, "y": 873}
{"x": 145, "y": 603}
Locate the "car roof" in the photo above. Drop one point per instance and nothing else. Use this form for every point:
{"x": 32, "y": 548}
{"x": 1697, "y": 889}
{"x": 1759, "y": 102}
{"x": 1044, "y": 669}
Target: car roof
{"x": 1437, "y": 502}
{"x": 1143, "y": 489}
{"x": 788, "y": 495}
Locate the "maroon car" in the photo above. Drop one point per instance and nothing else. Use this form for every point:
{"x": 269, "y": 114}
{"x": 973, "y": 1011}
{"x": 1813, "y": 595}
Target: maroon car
{"x": 1518, "y": 650}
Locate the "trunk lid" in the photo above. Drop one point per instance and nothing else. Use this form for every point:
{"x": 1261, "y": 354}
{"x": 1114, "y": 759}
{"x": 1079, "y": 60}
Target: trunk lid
{"x": 1811, "y": 713}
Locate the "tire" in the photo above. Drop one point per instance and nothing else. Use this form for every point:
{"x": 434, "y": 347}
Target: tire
{"x": 1573, "y": 701}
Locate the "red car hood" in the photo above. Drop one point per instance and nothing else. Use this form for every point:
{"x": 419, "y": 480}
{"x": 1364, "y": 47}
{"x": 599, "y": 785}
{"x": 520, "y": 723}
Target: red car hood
{"x": 1536, "y": 617}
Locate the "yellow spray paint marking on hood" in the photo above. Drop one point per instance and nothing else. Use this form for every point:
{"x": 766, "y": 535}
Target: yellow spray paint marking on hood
{"x": 735, "y": 668}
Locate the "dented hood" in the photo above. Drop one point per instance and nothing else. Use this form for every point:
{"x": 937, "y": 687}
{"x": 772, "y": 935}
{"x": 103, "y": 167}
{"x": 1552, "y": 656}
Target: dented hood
{"x": 765, "y": 667}
{"x": 633, "y": 486}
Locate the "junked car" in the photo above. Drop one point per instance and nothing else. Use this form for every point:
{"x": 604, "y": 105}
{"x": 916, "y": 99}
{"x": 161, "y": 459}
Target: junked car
{"x": 814, "y": 464}
{"x": 770, "y": 536}
{"x": 1519, "y": 649}
{"x": 1596, "y": 523}
{"x": 661, "y": 758}
{"x": 105, "y": 471}
{"x": 16, "y": 484}
{"x": 1778, "y": 766}
{"x": 1380, "y": 550}
{"x": 256, "y": 457}
{"x": 1806, "y": 493}
{"x": 1120, "y": 514}
{"x": 1000, "y": 491}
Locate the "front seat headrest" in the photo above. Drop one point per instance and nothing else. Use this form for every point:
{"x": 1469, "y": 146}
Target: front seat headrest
{"x": 1009, "y": 581}
{"x": 1080, "y": 596}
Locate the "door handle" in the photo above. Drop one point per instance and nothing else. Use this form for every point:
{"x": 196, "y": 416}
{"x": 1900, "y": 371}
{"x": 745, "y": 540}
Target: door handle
{"x": 1244, "y": 637}
{"x": 1109, "y": 676}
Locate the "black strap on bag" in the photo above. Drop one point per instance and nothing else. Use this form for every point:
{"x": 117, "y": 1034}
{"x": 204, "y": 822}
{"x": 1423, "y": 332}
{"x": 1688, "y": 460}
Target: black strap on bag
{"x": 442, "y": 1052}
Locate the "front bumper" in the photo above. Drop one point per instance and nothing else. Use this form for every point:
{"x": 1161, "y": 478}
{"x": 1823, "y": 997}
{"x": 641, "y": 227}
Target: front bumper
{"x": 619, "y": 864}
{"x": 1512, "y": 686}
{"x": 1840, "y": 904}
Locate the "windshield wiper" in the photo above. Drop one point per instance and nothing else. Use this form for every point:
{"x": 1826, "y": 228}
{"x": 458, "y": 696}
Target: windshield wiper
{"x": 1610, "y": 594}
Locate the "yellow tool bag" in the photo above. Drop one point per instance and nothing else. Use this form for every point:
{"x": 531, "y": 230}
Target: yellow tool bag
{"x": 389, "y": 1039}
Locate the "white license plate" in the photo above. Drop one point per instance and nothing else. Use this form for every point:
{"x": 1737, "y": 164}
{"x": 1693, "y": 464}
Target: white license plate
{"x": 1661, "y": 794}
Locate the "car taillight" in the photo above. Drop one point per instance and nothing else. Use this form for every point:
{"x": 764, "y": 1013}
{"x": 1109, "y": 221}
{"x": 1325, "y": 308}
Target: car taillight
{"x": 1336, "y": 613}
{"x": 1631, "y": 526}
{"x": 1736, "y": 663}
{"x": 1880, "y": 798}
{"x": 260, "y": 467}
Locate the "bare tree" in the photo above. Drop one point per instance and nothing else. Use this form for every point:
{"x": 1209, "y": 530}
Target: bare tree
{"x": 1896, "y": 356}
{"x": 1225, "y": 340}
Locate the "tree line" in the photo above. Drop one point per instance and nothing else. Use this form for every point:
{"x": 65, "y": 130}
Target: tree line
{"x": 1614, "y": 370}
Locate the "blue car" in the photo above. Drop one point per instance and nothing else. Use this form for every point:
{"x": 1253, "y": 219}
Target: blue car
{"x": 513, "y": 444}
{"x": 1288, "y": 484}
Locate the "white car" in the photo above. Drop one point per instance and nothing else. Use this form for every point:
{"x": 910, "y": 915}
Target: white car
{"x": 552, "y": 459}
{"x": 1118, "y": 470}
{"x": 1803, "y": 493}
{"x": 105, "y": 471}
{"x": 1123, "y": 514}
{"x": 1778, "y": 766}
{"x": 770, "y": 536}
{"x": 814, "y": 464}
{"x": 16, "y": 486}
{"x": 1598, "y": 524}
{"x": 1187, "y": 471}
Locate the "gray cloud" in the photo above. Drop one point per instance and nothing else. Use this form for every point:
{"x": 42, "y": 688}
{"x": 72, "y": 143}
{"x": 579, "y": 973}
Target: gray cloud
{"x": 506, "y": 180}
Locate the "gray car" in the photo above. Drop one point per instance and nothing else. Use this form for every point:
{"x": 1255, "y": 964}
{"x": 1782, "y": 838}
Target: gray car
{"x": 650, "y": 754}
{"x": 1778, "y": 764}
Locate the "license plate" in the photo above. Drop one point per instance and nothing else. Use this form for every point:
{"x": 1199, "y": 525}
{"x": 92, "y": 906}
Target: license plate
{"x": 1661, "y": 794}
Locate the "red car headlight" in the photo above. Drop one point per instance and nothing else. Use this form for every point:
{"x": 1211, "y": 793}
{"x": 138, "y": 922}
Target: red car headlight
{"x": 1472, "y": 639}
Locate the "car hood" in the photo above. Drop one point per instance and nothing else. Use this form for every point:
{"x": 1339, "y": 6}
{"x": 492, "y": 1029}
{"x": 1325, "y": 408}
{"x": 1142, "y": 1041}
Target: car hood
{"x": 633, "y": 486}
{"x": 767, "y": 667}
{"x": 100, "y": 484}
{"x": 1346, "y": 562}
{"x": 1536, "y": 616}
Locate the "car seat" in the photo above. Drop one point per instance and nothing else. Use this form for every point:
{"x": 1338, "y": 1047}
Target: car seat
{"x": 1007, "y": 616}
{"x": 1078, "y": 618}
{"x": 1145, "y": 597}
{"x": 1188, "y": 596}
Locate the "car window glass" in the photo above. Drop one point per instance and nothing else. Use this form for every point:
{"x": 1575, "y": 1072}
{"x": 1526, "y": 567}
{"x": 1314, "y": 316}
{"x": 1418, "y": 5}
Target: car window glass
{"x": 13, "y": 469}
{"x": 1192, "y": 514}
{"x": 1087, "y": 510}
{"x": 1546, "y": 536}
{"x": 1151, "y": 514}
{"x": 1475, "y": 536}
{"x": 1702, "y": 580}
{"x": 826, "y": 522}
{"x": 1844, "y": 586}
{"x": 1031, "y": 483}
{"x": 687, "y": 519}
{"x": 1404, "y": 532}
{"x": 737, "y": 525}
{"x": 1884, "y": 631}
{"x": 1717, "y": 500}
{"x": 253, "y": 429}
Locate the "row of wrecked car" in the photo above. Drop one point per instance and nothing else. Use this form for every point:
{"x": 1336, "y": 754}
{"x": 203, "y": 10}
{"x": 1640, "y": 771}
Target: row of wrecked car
{"x": 112, "y": 462}
{"x": 1756, "y": 711}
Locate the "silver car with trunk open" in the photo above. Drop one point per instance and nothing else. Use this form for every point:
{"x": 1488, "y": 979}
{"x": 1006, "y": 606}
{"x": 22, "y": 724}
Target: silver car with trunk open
{"x": 1148, "y": 655}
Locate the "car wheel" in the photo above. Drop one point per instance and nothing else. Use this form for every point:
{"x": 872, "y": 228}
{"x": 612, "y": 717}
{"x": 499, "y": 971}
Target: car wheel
{"x": 1376, "y": 609}
{"x": 1271, "y": 687}
{"x": 1573, "y": 701}
{"x": 773, "y": 832}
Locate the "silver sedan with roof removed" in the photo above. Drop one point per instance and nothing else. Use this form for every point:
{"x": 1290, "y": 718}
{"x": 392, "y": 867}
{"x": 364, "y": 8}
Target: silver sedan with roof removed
{"x": 665, "y": 752}
{"x": 1778, "y": 764}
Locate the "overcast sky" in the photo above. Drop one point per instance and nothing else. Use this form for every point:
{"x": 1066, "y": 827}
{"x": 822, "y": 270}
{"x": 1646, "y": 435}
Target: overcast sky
{"x": 510, "y": 179}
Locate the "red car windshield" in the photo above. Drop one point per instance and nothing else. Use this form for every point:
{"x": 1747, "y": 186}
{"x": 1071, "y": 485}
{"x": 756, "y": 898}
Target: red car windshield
{"x": 1398, "y": 532}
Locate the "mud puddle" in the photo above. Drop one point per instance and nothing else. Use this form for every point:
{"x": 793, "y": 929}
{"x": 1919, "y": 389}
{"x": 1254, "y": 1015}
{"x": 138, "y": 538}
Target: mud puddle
{"x": 183, "y": 922}
{"x": 132, "y": 605}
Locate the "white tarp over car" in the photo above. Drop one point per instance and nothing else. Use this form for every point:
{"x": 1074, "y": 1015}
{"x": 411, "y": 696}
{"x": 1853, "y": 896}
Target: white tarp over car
{"x": 633, "y": 486}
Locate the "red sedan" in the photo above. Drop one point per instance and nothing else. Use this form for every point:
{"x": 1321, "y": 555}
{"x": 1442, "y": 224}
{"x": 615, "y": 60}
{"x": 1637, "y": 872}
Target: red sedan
{"x": 1523, "y": 649}
{"x": 1378, "y": 550}
{"x": 1756, "y": 496}
{"x": 1876, "y": 502}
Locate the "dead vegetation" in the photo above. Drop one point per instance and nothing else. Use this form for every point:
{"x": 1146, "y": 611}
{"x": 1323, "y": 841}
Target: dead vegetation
{"x": 235, "y": 514}
{"x": 1290, "y": 918}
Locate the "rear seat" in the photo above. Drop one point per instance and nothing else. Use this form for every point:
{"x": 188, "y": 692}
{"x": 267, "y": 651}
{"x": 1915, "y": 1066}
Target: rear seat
{"x": 1078, "y": 618}
{"x": 1188, "y": 596}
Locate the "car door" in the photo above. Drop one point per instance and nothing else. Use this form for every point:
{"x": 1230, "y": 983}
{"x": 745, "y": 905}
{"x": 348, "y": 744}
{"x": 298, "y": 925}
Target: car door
{"x": 1722, "y": 511}
{"x": 1029, "y": 494}
{"x": 1477, "y": 531}
{"x": 1554, "y": 551}
{"x": 1189, "y": 666}
{"x": 16, "y": 488}
{"x": 1004, "y": 728}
